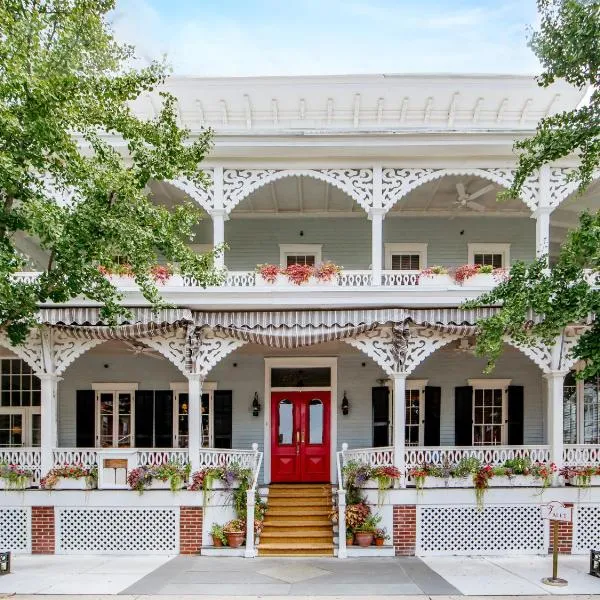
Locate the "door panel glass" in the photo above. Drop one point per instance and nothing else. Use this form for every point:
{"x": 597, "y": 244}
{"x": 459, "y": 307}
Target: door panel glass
{"x": 591, "y": 412}
{"x": 205, "y": 411}
{"x": 413, "y": 418}
{"x": 106, "y": 420}
{"x": 286, "y": 422}
{"x": 315, "y": 422}
{"x": 182, "y": 420}
{"x": 11, "y": 430}
{"x": 487, "y": 417}
{"x": 36, "y": 429}
{"x": 124, "y": 439}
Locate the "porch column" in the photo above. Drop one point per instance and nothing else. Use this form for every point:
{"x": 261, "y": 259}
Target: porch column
{"x": 218, "y": 217}
{"x": 194, "y": 407}
{"x": 49, "y": 421}
{"x": 399, "y": 423}
{"x": 542, "y": 231}
{"x": 376, "y": 216}
{"x": 555, "y": 381}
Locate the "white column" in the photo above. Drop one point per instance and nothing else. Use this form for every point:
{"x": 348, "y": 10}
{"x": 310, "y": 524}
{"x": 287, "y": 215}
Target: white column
{"x": 342, "y": 552}
{"x": 376, "y": 216}
{"x": 49, "y": 420}
{"x": 542, "y": 231}
{"x": 555, "y": 381}
{"x": 250, "y": 504}
{"x": 194, "y": 408}
{"x": 218, "y": 219}
{"x": 399, "y": 419}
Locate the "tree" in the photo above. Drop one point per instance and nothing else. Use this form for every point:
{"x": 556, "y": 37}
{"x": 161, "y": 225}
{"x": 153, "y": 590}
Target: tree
{"x": 66, "y": 87}
{"x": 568, "y": 46}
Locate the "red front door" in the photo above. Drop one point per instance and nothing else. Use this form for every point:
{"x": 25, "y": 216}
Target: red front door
{"x": 300, "y": 436}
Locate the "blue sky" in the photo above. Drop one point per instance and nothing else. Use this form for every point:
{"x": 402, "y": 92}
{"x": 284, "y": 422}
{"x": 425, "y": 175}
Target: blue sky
{"x": 296, "y": 37}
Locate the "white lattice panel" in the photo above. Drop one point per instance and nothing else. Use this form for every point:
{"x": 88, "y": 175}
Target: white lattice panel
{"x": 117, "y": 530}
{"x": 466, "y": 530}
{"x": 586, "y": 535}
{"x": 15, "y": 529}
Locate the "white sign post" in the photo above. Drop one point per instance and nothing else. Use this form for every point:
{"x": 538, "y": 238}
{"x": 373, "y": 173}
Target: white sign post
{"x": 556, "y": 512}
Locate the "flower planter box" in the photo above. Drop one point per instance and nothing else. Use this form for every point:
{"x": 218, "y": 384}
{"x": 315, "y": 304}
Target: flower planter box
{"x": 219, "y": 484}
{"x": 158, "y": 484}
{"x": 280, "y": 281}
{"x": 373, "y": 484}
{"x": 68, "y": 483}
{"x": 437, "y": 281}
{"x": 579, "y": 481}
{"x": 515, "y": 481}
{"x": 487, "y": 280}
{"x": 451, "y": 482}
{"x": 6, "y": 485}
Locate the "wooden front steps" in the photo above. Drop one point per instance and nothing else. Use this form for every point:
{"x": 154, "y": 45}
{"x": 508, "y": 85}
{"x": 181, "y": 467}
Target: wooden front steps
{"x": 297, "y": 521}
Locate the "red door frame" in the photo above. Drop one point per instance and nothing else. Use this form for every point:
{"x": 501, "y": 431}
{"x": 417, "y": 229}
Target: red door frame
{"x": 298, "y": 460}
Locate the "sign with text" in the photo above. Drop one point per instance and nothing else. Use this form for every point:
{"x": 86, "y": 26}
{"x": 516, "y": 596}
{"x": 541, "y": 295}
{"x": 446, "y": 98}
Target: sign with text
{"x": 557, "y": 511}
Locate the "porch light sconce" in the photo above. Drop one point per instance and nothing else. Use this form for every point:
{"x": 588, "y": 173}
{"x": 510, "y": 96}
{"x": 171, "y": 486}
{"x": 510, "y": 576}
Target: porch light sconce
{"x": 255, "y": 405}
{"x": 345, "y": 405}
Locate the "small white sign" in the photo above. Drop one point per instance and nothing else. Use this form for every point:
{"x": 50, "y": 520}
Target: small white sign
{"x": 557, "y": 511}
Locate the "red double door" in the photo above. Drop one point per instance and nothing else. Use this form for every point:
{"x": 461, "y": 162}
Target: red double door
{"x": 300, "y": 444}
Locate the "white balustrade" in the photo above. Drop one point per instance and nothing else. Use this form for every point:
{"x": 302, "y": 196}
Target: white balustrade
{"x": 374, "y": 457}
{"x": 240, "y": 279}
{"x": 581, "y": 455}
{"x": 29, "y": 459}
{"x": 86, "y": 457}
{"x": 396, "y": 278}
{"x": 491, "y": 455}
{"x": 153, "y": 457}
{"x": 213, "y": 457}
{"x": 25, "y": 277}
{"x": 354, "y": 279}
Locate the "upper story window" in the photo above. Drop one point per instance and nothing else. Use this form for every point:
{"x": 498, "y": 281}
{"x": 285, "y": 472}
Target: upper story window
{"x": 405, "y": 257}
{"x": 495, "y": 255}
{"x": 20, "y": 395}
{"x": 581, "y": 410}
{"x": 299, "y": 254}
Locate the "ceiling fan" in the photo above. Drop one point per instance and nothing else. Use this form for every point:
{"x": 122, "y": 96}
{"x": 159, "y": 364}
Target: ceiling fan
{"x": 465, "y": 200}
{"x": 139, "y": 349}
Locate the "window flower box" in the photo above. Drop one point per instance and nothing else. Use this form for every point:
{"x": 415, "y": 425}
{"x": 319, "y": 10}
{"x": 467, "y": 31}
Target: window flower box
{"x": 486, "y": 280}
{"x": 514, "y": 481}
{"x": 159, "y": 484}
{"x": 447, "y": 482}
{"x": 23, "y": 484}
{"x": 582, "y": 481}
{"x": 441, "y": 280}
{"x": 68, "y": 483}
{"x": 13, "y": 477}
{"x": 70, "y": 477}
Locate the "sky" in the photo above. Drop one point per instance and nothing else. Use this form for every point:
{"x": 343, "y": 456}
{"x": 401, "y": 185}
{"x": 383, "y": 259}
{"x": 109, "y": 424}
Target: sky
{"x": 317, "y": 37}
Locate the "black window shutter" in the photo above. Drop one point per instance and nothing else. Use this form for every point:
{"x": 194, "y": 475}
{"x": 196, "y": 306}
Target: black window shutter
{"x": 516, "y": 410}
{"x": 380, "y": 400}
{"x": 463, "y": 416}
{"x": 144, "y": 418}
{"x": 85, "y": 419}
{"x": 433, "y": 409}
{"x": 223, "y": 403}
{"x": 163, "y": 418}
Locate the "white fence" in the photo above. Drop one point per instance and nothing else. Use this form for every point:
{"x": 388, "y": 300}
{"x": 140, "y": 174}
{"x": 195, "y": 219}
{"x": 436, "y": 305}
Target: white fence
{"x": 26, "y": 458}
{"x": 581, "y": 454}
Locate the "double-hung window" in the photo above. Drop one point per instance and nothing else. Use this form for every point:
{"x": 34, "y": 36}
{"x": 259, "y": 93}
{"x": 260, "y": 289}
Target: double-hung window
{"x": 490, "y": 404}
{"x": 300, "y": 254}
{"x": 20, "y": 398}
{"x": 115, "y": 414}
{"x": 405, "y": 257}
{"x": 493, "y": 255}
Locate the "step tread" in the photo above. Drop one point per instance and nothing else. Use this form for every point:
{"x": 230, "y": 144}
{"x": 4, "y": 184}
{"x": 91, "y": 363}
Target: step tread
{"x": 295, "y": 545}
{"x": 297, "y": 534}
{"x": 285, "y": 522}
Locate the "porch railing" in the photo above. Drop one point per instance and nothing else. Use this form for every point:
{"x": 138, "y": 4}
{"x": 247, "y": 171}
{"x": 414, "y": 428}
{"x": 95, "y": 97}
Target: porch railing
{"x": 29, "y": 459}
{"x": 581, "y": 455}
{"x": 374, "y": 457}
{"x": 251, "y": 502}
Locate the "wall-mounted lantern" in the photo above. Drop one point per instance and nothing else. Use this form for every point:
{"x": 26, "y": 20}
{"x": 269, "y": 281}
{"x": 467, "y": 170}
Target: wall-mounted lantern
{"x": 255, "y": 405}
{"x": 345, "y": 405}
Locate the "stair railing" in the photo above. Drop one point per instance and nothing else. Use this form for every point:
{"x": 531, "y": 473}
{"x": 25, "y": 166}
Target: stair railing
{"x": 341, "y": 502}
{"x": 251, "y": 503}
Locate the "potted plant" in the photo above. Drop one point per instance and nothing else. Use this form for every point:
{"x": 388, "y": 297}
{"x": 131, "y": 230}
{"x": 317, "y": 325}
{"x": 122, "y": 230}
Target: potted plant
{"x": 13, "y": 477}
{"x": 381, "y": 536}
{"x": 70, "y": 477}
{"x": 271, "y": 274}
{"x": 519, "y": 472}
{"x": 386, "y": 477}
{"x": 168, "y": 476}
{"x": 465, "y": 273}
{"x": 349, "y": 537}
{"x": 365, "y": 532}
{"x": 299, "y": 274}
{"x": 481, "y": 480}
{"x": 581, "y": 476}
{"x": 327, "y": 273}
{"x": 436, "y": 276}
{"x": 218, "y": 535}
{"x": 235, "y": 532}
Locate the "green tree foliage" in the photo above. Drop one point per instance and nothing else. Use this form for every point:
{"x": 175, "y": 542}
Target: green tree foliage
{"x": 66, "y": 87}
{"x": 568, "y": 46}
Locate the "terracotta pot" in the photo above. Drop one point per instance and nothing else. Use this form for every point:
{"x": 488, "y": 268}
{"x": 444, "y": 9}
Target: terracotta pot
{"x": 349, "y": 540}
{"x": 217, "y": 543}
{"x": 379, "y": 541}
{"x": 234, "y": 539}
{"x": 363, "y": 538}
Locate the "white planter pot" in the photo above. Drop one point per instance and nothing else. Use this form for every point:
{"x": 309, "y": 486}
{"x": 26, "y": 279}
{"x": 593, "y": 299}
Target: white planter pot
{"x": 280, "y": 281}
{"x": 486, "y": 280}
{"x": 436, "y": 281}
{"x": 575, "y": 481}
{"x": 219, "y": 484}
{"x": 67, "y": 483}
{"x": 158, "y": 484}
{"x": 515, "y": 481}
{"x": 324, "y": 282}
{"x": 451, "y": 482}
{"x": 374, "y": 484}
{"x": 5, "y": 485}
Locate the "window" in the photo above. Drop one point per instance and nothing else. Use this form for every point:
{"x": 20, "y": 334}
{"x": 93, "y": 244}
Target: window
{"x": 115, "y": 414}
{"x": 299, "y": 254}
{"x": 490, "y": 399}
{"x": 405, "y": 257}
{"x": 495, "y": 255}
{"x": 181, "y": 419}
{"x": 414, "y": 411}
{"x": 581, "y": 410}
{"x": 20, "y": 398}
